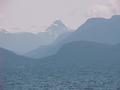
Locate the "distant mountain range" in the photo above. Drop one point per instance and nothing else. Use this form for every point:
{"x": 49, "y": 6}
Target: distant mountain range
{"x": 48, "y": 50}
{"x": 24, "y": 42}
{"x": 99, "y": 30}
{"x": 77, "y": 54}
{"x": 91, "y": 64}
{"x": 72, "y": 62}
{"x": 106, "y": 31}
{"x": 11, "y": 59}
{"x": 82, "y": 53}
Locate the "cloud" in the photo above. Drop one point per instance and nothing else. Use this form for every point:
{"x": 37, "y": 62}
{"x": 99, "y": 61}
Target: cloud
{"x": 105, "y": 9}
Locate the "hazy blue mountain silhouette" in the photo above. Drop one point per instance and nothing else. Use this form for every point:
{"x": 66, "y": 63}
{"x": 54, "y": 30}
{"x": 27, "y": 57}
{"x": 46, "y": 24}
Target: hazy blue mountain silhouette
{"x": 74, "y": 53}
{"x": 99, "y": 30}
{"x": 95, "y": 29}
{"x": 24, "y": 42}
{"x": 48, "y": 50}
{"x": 57, "y": 28}
{"x": 77, "y": 61}
{"x": 79, "y": 53}
{"x": 84, "y": 53}
{"x": 10, "y": 59}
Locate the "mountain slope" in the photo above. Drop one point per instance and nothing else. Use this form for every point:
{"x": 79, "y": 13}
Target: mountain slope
{"x": 10, "y": 59}
{"x": 57, "y": 28}
{"x": 48, "y": 50}
{"x": 24, "y": 42}
{"x": 78, "y": 65}
{"x": 74, "y": 54}
{"x": 85, "y": 53}
{"x": 99, "y": 30}
{"x": 95, "y": 29}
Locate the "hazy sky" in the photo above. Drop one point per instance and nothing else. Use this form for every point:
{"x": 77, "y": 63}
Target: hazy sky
{"x": 36, "y": 15}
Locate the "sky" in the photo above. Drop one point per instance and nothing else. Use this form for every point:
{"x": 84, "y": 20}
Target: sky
{"x": 37, "y": 15}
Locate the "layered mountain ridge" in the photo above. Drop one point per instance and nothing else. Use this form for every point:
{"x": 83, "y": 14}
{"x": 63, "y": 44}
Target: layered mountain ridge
{"x": 23, "y": 42}
{"x": 100, "y": 30}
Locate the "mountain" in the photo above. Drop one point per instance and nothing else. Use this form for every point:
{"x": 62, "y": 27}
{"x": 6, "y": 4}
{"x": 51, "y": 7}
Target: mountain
{"x": 78, "y": 53}
{"x": 72, "y": 55}
{"x": 10, "y": 59}
{"x": 83, "y": 52}
{"x": 95, "y": 29}
{"x": 77, "y": 65}
{"x": 84, "y": 63}
{"x": 99, "y": 30}
{"x": 48, "y": 50}
{"x": 57, "y": 28}
{"x": 24, "y": 42}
